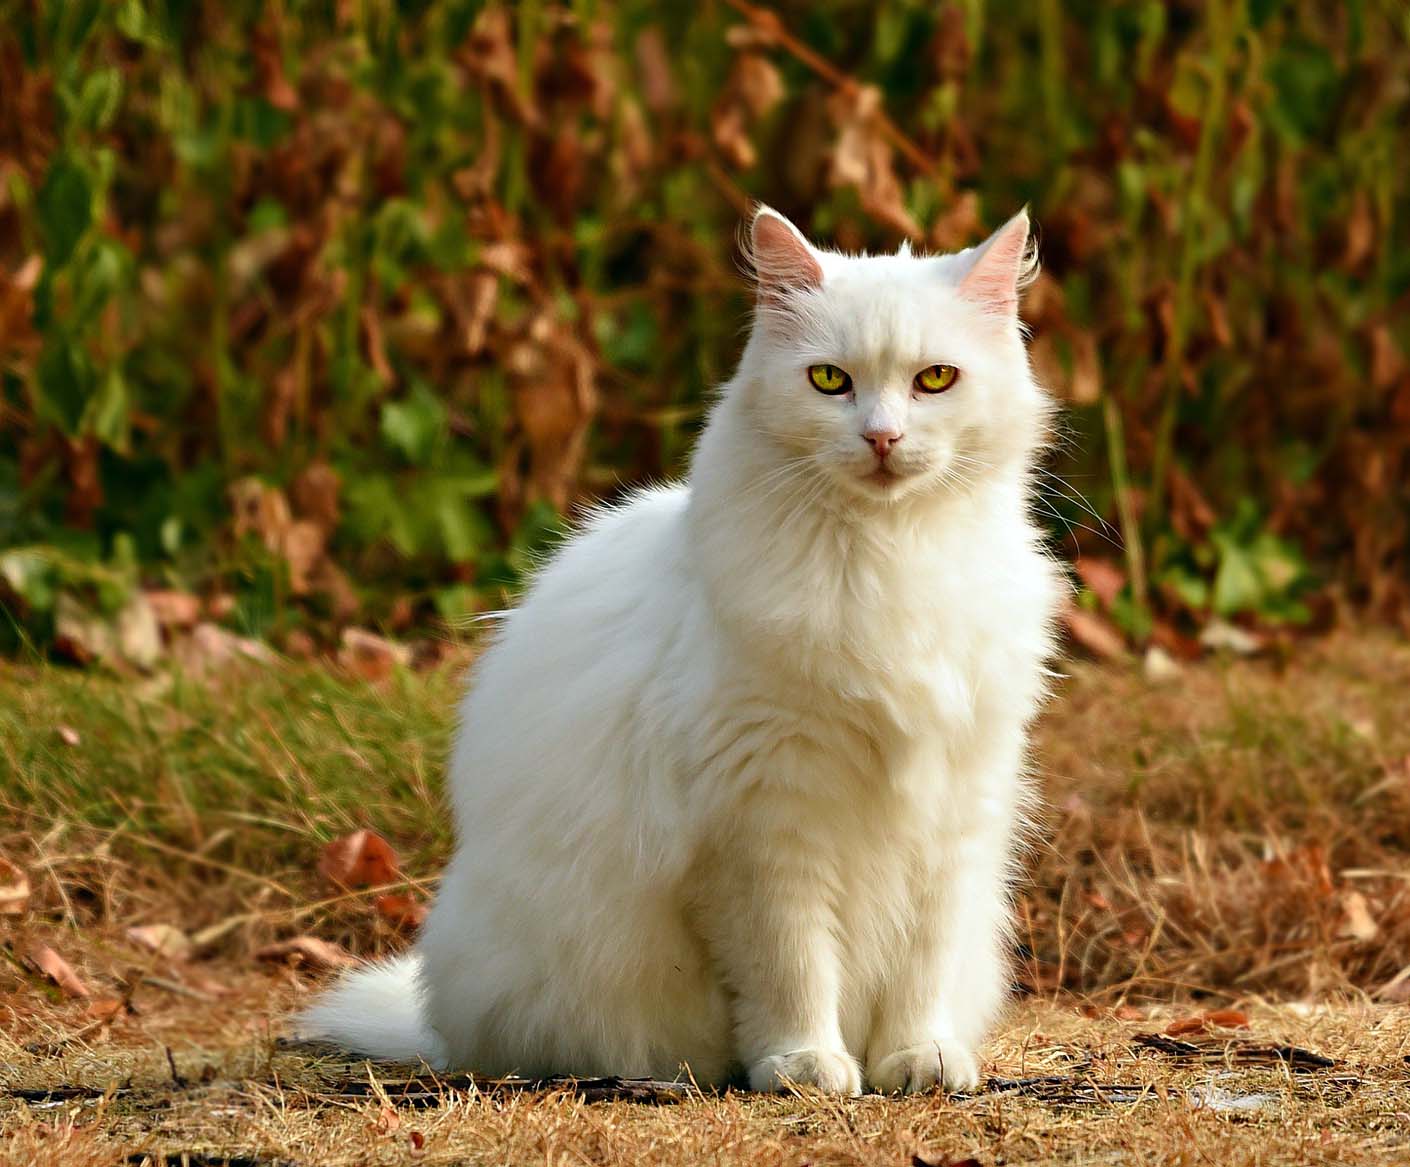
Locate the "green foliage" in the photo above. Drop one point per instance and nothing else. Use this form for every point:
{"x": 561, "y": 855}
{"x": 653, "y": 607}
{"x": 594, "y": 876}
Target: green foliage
{"x": 475, "y": 261}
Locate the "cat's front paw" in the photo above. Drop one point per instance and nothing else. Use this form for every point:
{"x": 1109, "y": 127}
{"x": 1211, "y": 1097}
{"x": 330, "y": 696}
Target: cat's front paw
{"x": 920, "y": 1067}
{"x": 834, "y": 1071}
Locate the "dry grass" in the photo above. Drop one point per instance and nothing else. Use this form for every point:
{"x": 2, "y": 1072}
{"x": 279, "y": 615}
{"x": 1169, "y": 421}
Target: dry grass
{"x": 1224, "y": 835}
{"x": 1090, "y": 1095}
{"x": 1205, "y": 845}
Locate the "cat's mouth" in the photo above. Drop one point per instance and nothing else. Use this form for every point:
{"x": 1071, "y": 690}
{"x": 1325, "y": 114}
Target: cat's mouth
{"x": 884, "y": 477}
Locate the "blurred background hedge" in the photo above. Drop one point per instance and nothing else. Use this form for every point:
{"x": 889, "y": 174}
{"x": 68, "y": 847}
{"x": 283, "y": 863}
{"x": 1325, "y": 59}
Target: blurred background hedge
{"x": 329, "y": 312}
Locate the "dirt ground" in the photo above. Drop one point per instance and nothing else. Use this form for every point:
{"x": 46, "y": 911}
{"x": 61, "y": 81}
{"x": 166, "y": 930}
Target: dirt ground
{"x": 192, "y": 1083}
{"x": 1233, "y": 845}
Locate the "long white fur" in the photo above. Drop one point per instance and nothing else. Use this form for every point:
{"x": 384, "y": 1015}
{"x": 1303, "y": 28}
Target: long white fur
{"x": 740, "y": 784}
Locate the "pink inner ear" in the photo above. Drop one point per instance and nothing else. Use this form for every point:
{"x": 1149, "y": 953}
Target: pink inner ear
{"x": 993, "y": 280}
{"x": 782, "y": 260}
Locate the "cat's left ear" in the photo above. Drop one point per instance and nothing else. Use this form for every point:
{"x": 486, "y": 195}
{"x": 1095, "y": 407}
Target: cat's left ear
{"x": 1000, "y": 267}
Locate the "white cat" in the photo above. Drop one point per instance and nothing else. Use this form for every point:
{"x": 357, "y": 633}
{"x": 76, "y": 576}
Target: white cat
{"x": 738, "y": 785}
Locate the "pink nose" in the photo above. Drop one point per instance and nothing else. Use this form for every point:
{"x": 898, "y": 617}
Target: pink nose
{"x": 882, "y": 440}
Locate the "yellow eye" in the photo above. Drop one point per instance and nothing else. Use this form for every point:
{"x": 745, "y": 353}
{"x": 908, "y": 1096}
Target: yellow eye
{"x": 937, "y": 378}
{"x": 829, "y": 379}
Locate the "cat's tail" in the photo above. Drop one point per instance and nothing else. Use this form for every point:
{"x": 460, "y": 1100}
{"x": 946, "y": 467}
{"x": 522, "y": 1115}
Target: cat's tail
{"x": 375, "y": 1011}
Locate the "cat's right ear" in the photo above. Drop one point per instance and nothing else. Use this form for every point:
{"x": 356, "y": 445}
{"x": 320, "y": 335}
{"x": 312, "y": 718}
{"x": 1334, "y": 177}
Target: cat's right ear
{"x": 782, "y": 259}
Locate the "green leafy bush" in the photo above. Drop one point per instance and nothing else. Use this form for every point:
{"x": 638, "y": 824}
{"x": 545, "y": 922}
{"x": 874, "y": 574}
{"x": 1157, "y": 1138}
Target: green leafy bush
{"x": 428, "y": 274}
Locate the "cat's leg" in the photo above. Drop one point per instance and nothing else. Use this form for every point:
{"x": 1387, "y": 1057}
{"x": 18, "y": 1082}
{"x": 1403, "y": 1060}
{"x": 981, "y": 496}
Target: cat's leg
{"x": 951, "y": 979}
{"x": 772, "y": 934}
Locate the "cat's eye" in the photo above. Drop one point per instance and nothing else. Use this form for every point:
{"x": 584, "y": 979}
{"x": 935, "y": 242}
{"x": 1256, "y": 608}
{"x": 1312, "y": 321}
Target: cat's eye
{"x": 829, "y": 379}
{"x": 937, "y": 378}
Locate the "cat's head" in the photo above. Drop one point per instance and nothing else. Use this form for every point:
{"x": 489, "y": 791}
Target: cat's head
{"x": 892, "y": 375}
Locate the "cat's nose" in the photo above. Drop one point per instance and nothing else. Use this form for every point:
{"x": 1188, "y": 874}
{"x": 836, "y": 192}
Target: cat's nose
{"x": 882, "y": 440}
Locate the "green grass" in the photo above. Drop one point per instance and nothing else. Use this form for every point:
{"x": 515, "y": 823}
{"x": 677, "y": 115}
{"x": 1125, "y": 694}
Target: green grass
{"x": 278, "y": 759}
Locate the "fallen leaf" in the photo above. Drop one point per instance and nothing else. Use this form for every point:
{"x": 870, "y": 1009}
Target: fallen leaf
{"x": 58, "y": 970}
{"x": 361, "y": 859}
{"x": 308, "y": 952}
{"x": 1305, "y": 864}
{"x": 164, "y": 940}
{"x": 14, "y": 889}
{"x": 211, "y": 648}
{"x": 1085, "y": 384}
{"x": 1205, "y": 1022}
{"x": 1221, "y": 635}
{"x": 657, "y": 70}
{"x": 1160, "y": 667}
{"x": 299, "y": 645}
{"x": 402, "y": 911}
{"x": 387, "y": 1121}
{"x": 758, "y": 83}
{"x": 1357, "y": 922}
{"x": 369, "y": 656}
{"x": 203, "y": 982}
{"x": 1094, "y": 633}
{"x": 1103, "y": 578}
{"x": 174, "y": 609}
{"x": 1397, "y": 989}
{"x": 315, "y": 495}
{"x": 106, "y": 1008}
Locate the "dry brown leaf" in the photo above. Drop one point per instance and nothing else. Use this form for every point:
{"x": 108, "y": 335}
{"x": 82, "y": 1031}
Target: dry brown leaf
{"x": 308, "y": 952}
{"x": 731, "y": 138}
{"x": 1085, "y": 385}
{"x": 87, "y": 635}
{"x": 957, "y": 227}
{"x": 361, "y": 859}
{"x": 1210, "y": 1020}
{"x": 757, "y": 82}
{"x": 1101, "y": 577}
{"x": 14, "y": 889}
{"x": 1097, "y": 900}
{"x": 315, "y": 494}
{"x": 299, "y": 645}
{"x": 1397, "y": 989}
{"x": 555, "y": 399}
{"x": 1387, "y": 362}
{"x": 1357, "y": 923}
{"x": 58, "y": 970}
{"x": 1159, "y": 667}
{"x": 1360, "y": 232}
{"x": 387, "y": 1122}
{"x": 369, "y": 656}
{"x": 302, "y": 547}
{"x": 193, "y": 977}
{"x": 163, "y": 939}
{"x": 653, "y": 62}
{"x": 269, "y": 67}
{"x": 1094, "y": 633}
{"x": 211, "y": 647}
{"x": 401, "y": 910}
{"x": 174, "y": 609}
{"x": 862, "y": 158}
{"x": 107, "y": 1008}
{"x": 1306, "y": 864}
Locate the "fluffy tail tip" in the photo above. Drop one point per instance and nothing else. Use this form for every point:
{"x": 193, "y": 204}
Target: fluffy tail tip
{"x": 375, "y": 1011}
